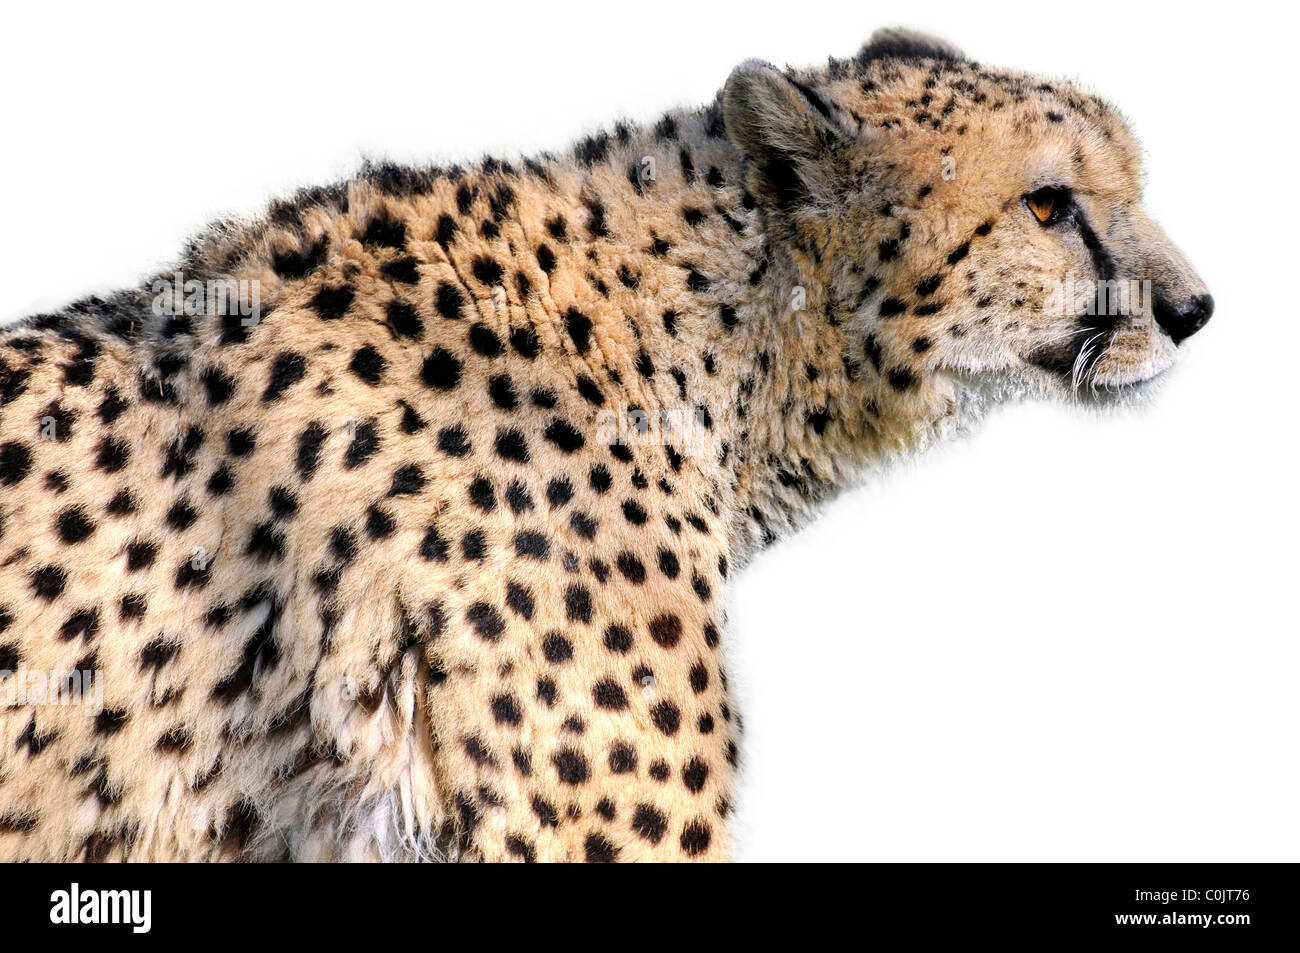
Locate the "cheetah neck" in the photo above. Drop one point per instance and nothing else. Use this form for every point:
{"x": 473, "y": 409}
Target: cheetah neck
{"x": 743, "y": 326}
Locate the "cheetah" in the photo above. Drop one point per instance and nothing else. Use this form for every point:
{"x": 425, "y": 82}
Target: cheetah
{"x": 424, "y": 556}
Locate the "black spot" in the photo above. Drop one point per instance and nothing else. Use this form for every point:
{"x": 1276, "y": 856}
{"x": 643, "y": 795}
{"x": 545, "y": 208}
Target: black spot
{"x": 379, "y": 523}
{"x": 519, "y": 599}
{"x": 694, "y": 775}
{"x": 110, "y": 721}
{"x": 486, "y": 621}
{"x": 901, "y": 378}
{"x": 666, "y": 629}
{"x": 583, "y": 525}
{"x": 343, "y": 545}
{"x": 598, "y": 850}
{"x": 449, "y": 300}
{"x": 579, "y": 328}
{"x": 122, "y": 503}
{"x": 181, "y": 515}
{"x": 112, "y": 455}
{"x": 666, "y": 717}
{"x": 15, "y": 463}
{"x": 577, "y": 604}
{"x": 591, "y": 150}
{"x": 546, "y": 813}
{"x": 453, "y": 441}
{"x": 701, "y": 587}
{"x": 385, "y": 231}
{"x": 484, "y": 340}
{"x": 433, "y": 547}
{"x": 608, "y": 694}
{"x": 441, "y": 370}
{"x": 364, "y": 445}
{"x": 284, "y": 504}
{"x": 502, "y": 391}
{"x": 559, "y": 492}
{"x": 649, "y": 822}
{"x": 265, "y": 542}
{"x": 403, "y": 270}
{"x": 48, "y": 582}
{"x": 403, "y": 319}
{"x": 571, "y": 766}
{"x": 533, "y": 545}
{"x": 818, "y": 418}
{"x": 218, "y": 384}
{"x": 446, "y": 230}
{"x": 668, "y": 563}
{"x": 140, "y": 555}
{"x": 518, "y": 498}
{"x": 83, "y": 624}
{"x": 407, "y": 480}
{"x": 695, "y": 838}
{"x": 300, "y": 261}
{"x": 696, "y": 282}
{"x": 588, "y": 389}
{"x": 482, "y": 495}
{"x": 505, "y": 710}
{"x": 622, "y": 758}
{"x": 600, "y": 478}
{"x": 525, "y": 342}
{"x": 241, "y": 442}
{"x": 557, "y": 648}
{"x": 287, "y": 370}
{"x": 564, "y": 435}
{"x": 547, "y": 692}
{"x": 333, "y": 303}
{"x": 412, "y": 422}
{"x": 487, "y": 271}
{"x": 634, "y": 512}
{"x": 596, "y": 224}
{"x": 473, "y": 545}
{"x": 699, "y": 678}
{"x": 112, "y": 406}
{"x": 631, "y": 567}
{"x": 618, "y": 639}
{"x": 927, "y": 286}
{"x": 309, "y": 447}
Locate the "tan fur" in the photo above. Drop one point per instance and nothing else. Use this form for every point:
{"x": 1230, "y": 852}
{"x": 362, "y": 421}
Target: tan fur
{"x": 332, "y": 686}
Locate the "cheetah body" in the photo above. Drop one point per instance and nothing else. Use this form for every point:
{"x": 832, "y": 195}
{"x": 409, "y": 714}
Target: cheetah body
{"x": 374, "y": 577}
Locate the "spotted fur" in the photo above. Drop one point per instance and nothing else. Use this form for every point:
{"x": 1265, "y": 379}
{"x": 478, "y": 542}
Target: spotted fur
{"x": 368, "y": 580}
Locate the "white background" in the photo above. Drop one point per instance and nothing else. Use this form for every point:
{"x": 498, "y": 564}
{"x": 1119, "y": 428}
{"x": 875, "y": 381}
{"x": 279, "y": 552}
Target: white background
{"x": 1071, "y": 637}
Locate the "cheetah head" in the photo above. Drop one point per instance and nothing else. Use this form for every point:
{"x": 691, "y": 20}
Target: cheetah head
{"x": 986, "y": 227}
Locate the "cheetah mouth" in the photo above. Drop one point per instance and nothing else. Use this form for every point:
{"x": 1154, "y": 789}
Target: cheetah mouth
{"x": 1074, "y": 359}
{"x": 1099, "y": 362}
{"x": 1093, "y": 386}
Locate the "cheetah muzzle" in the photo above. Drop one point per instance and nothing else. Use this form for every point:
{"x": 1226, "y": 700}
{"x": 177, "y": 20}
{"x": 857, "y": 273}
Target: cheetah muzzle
{"x": 421, "y": 551}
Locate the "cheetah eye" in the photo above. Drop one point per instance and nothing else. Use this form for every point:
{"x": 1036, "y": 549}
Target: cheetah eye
{"x": 1049, "y": 204}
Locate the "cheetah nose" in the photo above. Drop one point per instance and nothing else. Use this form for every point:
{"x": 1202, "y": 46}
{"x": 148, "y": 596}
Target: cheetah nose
{"x": 1184, "y": 319}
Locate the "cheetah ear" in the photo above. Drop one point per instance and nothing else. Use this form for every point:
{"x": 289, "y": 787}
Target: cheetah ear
{"x": 786, "y": 130}
{"x": 903, "y": 44}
